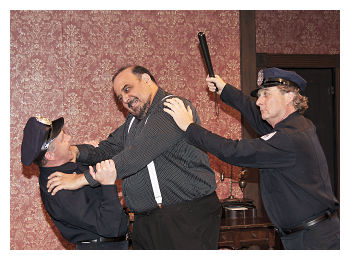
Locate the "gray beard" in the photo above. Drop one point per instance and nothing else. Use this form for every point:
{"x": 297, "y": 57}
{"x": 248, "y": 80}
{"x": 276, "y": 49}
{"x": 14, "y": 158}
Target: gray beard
{"x": 143, "y": 111}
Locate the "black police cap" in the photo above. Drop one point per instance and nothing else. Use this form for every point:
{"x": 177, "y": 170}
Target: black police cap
{"x": 271, "y": 77}
{"x": 38, "y": 134}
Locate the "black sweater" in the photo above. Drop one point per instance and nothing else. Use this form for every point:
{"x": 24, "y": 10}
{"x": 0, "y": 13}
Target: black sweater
{"x": 86, "y": 213}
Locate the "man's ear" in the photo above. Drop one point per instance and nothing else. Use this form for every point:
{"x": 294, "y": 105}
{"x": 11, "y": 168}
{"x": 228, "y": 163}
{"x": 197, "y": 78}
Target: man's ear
{"x": 49, "y": 156}
{"x": 146, "y": 78}
{"x": 290, "y": 97}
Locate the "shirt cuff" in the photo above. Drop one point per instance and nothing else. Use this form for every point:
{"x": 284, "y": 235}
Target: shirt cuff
{"x": 188, "y": 133}
{"x": 90, "y": 180}
{"x": 83, "y": 152}
{"x": 226, "y": 88}
{"x": 109, "y": 191}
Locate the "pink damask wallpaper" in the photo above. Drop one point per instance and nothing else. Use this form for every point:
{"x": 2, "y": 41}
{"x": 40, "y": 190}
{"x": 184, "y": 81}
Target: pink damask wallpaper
{"x": 62, "y": 63}
{"x": 298, "y": 32}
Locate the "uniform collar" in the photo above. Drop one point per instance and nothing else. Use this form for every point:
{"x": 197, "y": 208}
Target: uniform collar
{"x": 287, "y": 119}
{"x": 68, "y": 167}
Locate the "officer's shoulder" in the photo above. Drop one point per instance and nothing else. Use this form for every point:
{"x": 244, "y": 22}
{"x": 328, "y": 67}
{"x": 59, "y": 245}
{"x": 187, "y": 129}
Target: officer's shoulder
{"x": 297, "y": 124}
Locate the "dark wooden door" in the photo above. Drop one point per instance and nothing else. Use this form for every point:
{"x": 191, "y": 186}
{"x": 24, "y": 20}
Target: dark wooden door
{"x": 320, "y": 91}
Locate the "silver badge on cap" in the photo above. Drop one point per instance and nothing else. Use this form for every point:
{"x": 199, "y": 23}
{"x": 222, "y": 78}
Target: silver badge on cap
{"x": 43, "y": 120}
{"x": 260, "y": 77}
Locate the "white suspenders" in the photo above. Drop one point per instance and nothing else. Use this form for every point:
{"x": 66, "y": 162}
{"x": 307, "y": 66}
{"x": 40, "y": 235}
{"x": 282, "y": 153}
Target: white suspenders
{"x": 152, "y": 171}
{"x": 154, "y": 180}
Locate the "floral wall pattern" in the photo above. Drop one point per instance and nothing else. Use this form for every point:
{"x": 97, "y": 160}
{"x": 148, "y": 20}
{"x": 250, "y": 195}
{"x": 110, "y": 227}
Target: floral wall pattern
{"x": 62, "y": 63}
{"x": 298, "y": 32}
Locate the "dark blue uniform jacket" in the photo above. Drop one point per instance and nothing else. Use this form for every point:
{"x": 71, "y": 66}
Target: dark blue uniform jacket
{"x": 294, "y": 180}
{"x": 86, "y": 213}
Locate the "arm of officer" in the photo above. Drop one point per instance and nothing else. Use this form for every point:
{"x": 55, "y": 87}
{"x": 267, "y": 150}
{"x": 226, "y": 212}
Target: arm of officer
{"x": 58, "y": 181}
{"x": 103, "y": 215}
{"x": 236, "y": 99}
{"x": 255, "y": 153}
{"x": 105, "y": 174}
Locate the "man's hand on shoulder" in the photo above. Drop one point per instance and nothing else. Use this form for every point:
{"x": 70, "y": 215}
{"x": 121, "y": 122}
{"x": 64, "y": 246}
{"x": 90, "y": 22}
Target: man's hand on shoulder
{"x": 58, "y": 181}
{"x": 181, "y": 114}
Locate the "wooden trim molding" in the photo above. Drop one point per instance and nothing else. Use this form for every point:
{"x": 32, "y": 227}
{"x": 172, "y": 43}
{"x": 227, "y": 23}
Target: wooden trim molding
{"x": 297, "y": 60}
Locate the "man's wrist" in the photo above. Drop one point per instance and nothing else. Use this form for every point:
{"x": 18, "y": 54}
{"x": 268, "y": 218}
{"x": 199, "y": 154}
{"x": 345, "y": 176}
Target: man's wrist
{"x": 82, "y": 180}
{"x": 220, "y": 91}
{"x": 189, "y": 123}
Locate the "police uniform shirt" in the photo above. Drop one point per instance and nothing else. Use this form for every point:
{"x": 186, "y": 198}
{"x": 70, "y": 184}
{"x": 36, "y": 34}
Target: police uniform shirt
{"x": 183, "y": 171}
{"x": 86, "y": 213}
{"x": 294, "y": 179}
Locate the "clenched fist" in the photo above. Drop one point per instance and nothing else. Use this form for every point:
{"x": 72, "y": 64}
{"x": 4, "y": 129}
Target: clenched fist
{"x": 106, "y": 173}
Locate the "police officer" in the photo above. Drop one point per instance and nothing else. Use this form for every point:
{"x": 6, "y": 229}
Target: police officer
{"x": 92, "y": 218}
{"x": 294, "y": 179}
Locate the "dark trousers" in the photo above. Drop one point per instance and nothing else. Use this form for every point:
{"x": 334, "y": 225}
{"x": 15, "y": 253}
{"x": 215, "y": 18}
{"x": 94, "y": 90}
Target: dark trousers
{"x": 190, "y": 225}
{"x": 123, "y": 245}
{"x": 324, "y": 235}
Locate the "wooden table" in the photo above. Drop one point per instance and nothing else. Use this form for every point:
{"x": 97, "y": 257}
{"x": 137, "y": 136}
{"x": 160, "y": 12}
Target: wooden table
{"x": 242, "y": 233}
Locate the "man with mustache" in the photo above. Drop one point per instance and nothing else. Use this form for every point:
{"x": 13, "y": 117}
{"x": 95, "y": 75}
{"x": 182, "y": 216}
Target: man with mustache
{"x": 167, "y": 183}
{"x": 294, "y": 180}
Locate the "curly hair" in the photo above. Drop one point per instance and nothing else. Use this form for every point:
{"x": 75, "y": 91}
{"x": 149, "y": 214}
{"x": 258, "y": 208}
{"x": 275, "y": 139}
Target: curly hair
{"x": 300, "y": 102}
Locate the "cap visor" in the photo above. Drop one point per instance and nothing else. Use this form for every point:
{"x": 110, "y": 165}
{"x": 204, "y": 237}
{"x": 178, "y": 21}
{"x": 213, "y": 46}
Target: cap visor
{"x": 57, "y": 126}
{"x": 254, "y": 93}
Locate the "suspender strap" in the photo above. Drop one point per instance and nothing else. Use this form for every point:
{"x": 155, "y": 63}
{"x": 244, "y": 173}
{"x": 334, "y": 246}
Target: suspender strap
{"x": 152, "y": 170}
{"x": 132, "y": 120}
{"x": 155, "y": 184}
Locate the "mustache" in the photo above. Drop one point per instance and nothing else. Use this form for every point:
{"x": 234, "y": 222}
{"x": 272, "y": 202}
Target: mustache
{"x": 131, "y": 102}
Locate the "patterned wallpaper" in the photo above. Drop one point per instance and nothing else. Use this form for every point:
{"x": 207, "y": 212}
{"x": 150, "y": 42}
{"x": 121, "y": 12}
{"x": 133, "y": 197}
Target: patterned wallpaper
{"x": 298, "y": 32}
{"x": 62, "y": 63}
